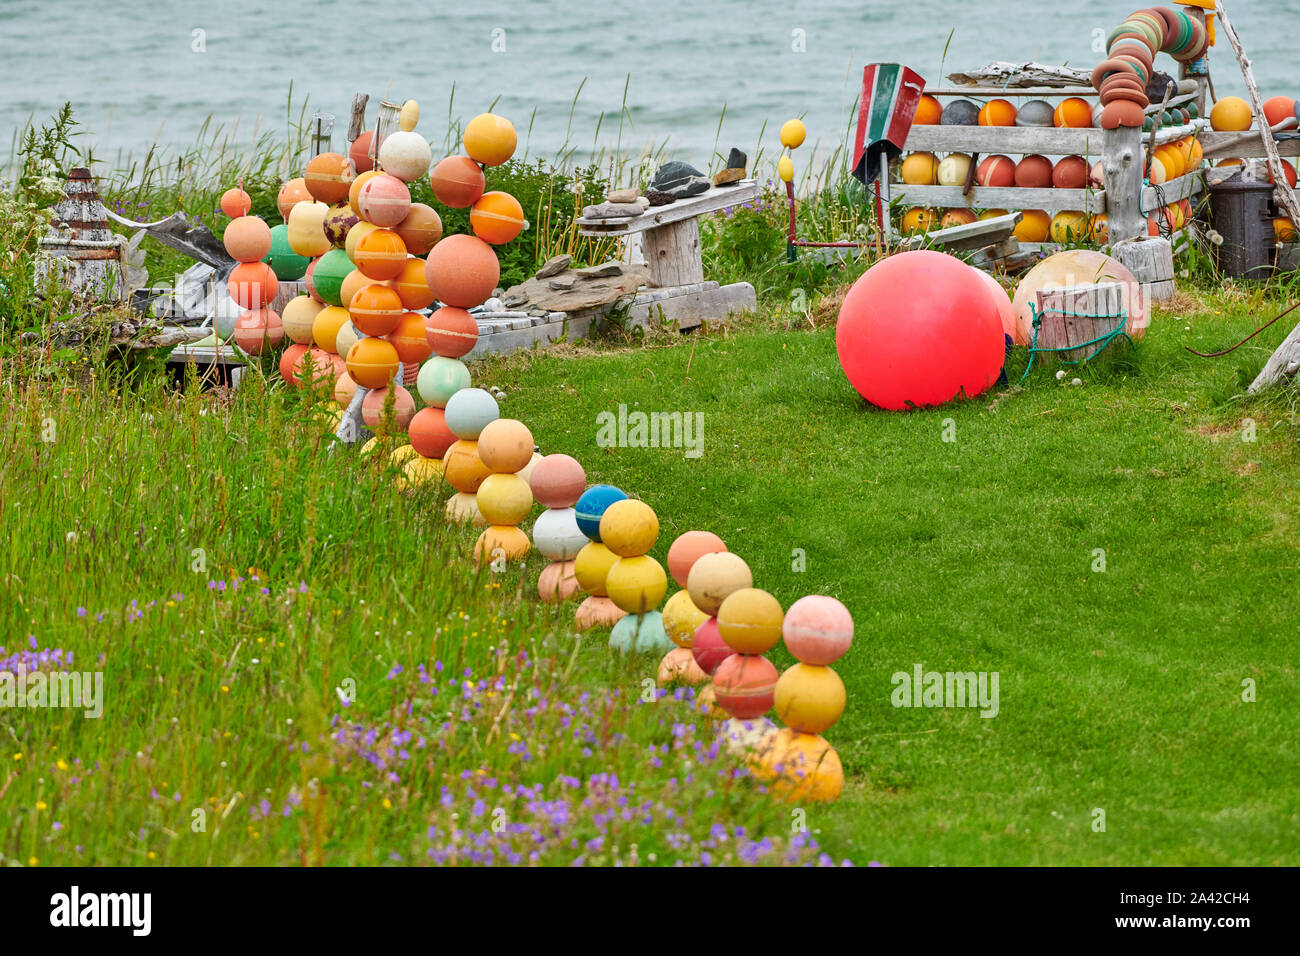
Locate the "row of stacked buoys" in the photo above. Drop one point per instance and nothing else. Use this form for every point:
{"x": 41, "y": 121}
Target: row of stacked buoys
{"x": 1121, "y": 80}
{"x": 1071, "y": 113}
{"x": 1233, "y": 114}
{"x": 353, "y": 232}
{"x": 252, "y": 284}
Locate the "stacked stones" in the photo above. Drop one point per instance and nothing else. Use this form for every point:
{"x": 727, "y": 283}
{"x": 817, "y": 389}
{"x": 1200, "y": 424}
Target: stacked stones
{"x": 557, "y": 482}
{"x": 505, "y": 447}
{"x": 468, "y": 412}
{"x": 809, "y": 698}
{"x": 680, "y": 615}
{"x": 636, "y": 582}
{"x": 592, "y": 564}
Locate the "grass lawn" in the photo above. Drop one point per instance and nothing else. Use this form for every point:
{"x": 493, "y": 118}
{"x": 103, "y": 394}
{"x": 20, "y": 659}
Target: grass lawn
{"x": 1120, "y": 689}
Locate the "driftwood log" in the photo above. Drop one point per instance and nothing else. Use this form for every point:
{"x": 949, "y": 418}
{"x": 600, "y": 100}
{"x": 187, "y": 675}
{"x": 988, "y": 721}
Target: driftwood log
{"x": 1017, "y": 76}
{"x": 1282, "y": 366}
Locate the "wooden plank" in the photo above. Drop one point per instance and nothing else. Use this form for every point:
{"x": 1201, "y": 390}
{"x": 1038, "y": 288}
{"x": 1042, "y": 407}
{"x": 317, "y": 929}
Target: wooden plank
{"x": 1037, "y": 92}
{"x": 1231, "y": 145}
{"x": 1006, "y": 139}
{"x": 1009, "y": 197}
{"x": 717, "y": 197}
{"x": 672, "y": 253}
{"x": 973, "y": 235}
{"x": 1184, "y": 187}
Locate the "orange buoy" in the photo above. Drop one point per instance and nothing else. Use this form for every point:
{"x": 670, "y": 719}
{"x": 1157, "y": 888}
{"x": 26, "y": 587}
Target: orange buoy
{"x": 375, "y": 309}
{"x": 462, "y": 271}
{"x": 372, "y": 362}
{"x": 1073, "y": 113}
{"x": 381, "y": 255}
{"x": 235, "y": 202}
{"x": 457, "y": 181}
{"x": 928, "y": 112}
{"x": 328, "y": 177}
{"x": 997, "y": 113}
{"x": 497, "y": 217}
{"x": 490, "y": 139}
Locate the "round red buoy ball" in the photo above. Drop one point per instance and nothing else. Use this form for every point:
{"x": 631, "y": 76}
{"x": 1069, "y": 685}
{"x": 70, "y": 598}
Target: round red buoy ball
{"x": 745, "y": 685}
{"x": 429, "y": 434}
{"x": 457, "y": 181}
{"x": 1034, "y": 172}
{"x": 451, "y": 332}
{"x": 918, "y": 329}
{"x": 709, "y": 648}
{"x": 462, "y": 271}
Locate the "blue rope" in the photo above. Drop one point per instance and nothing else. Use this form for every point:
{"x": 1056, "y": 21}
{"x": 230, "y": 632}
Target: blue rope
{"x": 1102, "y": 341}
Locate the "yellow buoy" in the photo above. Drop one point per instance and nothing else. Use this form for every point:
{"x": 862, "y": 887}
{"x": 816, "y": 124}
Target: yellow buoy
{"x": 409, "y": 116}
{"x": 785, "y": 169}
{"x": 793, "y": 133}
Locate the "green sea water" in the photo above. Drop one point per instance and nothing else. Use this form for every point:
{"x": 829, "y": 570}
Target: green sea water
{"x": 143, "y": 72}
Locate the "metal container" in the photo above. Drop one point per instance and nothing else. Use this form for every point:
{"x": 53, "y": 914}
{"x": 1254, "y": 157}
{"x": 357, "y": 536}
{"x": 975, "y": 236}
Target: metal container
{"x": 1241, "y": 211}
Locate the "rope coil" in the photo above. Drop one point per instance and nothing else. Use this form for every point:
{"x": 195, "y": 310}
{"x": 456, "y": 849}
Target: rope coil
{"x": 1102, "y": 341}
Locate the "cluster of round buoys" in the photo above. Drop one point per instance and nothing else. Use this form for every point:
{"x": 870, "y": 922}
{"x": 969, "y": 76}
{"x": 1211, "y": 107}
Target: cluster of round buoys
{"x": 1121, "y": 79}
{"x": 252, "y": 284}
{"x": 361, "y": 321}
{"x": 461, "y": 272}
{"x": 1072, "y": 112}
{"x": 999, "y": 171}
{"x": 1233, "y": 114}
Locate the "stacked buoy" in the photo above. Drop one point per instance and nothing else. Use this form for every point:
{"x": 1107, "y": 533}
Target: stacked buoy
{"x": 505, "y": 446}
{"x": 636, "y": 582}
{"x": 557, "y": 482}
{"x": 592, "y": 563}
{"x": 1121, "y": 79}
{"x": 809, "y": 699}
{"x": 468, "y": 412}
{"x": 749, "y": 623}
{"x": 680, "y": 615}
{"x": 713, "y": 578}
{"x": 252, "y": 284}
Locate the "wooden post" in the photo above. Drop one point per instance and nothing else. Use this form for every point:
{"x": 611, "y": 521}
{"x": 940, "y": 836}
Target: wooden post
{"x": 672, "y": 252}
{"x": 1121, "y": 162}
{"x": 1284, "y": 196}
{"x": 1151, "y": 260}
{"x": 1202, "y": 80}
{"x": 357, "y": 121}
{"x": 1075, "y": 315}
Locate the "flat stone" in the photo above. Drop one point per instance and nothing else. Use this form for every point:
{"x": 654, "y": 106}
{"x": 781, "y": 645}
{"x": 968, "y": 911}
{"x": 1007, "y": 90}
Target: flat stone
{"x": 729, "y": 177}
{"x": 554, "y": 266}
{"x": 623, "y": 195}
{"x": 612, "y": 210}
{"x": 602, "y": 271}
{"x": 561, "y": 283}
{"x": 514, "y": 299}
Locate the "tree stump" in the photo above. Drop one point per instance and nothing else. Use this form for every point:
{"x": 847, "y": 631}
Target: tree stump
{"x": 1079, "y": 316}
{"x": 1151, "y": 260}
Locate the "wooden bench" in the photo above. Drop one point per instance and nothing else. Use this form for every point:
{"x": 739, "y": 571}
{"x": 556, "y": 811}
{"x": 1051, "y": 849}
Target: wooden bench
{"x": 670, "y": 235}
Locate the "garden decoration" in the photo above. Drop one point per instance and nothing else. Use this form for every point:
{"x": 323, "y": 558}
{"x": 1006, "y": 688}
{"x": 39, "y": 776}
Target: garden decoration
{"x": 592, "y": 563}
{"x": 636, "y": 582}
{"x": 713, "y": 577}
{"x": 919, "y": 329}
{"x": 809, "y": 698}
{"x": 680, "y": 615}
{"x": 749, "y": 623}
{"x": 504, "y": 499}
{"x": 557, "y": 482}
{"x": 468, "y": 412}
{"x": 252, "y": 284}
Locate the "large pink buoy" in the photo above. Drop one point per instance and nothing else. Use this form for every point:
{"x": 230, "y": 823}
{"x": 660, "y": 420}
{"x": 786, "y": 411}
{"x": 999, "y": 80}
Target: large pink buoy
{"x": 919, "y": 329}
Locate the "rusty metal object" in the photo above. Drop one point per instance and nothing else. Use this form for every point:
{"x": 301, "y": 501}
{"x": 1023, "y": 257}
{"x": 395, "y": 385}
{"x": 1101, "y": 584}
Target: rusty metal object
{"x": 79, "y": 251}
